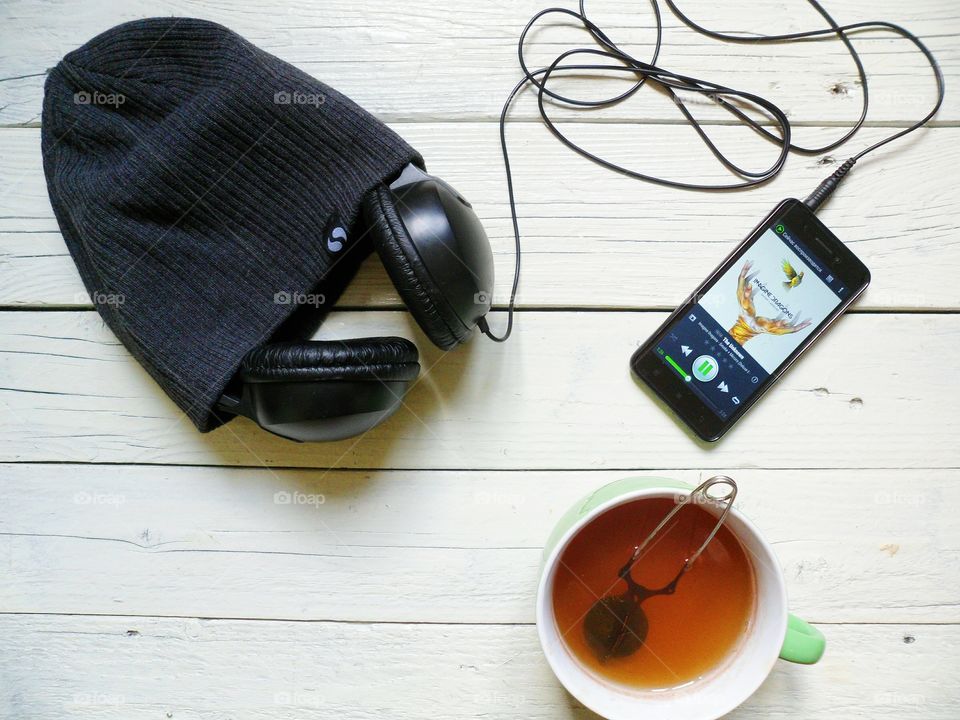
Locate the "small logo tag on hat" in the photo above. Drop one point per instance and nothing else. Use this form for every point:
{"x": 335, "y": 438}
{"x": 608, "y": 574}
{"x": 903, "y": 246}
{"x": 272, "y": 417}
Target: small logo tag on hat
{"x": 335, "y": 235}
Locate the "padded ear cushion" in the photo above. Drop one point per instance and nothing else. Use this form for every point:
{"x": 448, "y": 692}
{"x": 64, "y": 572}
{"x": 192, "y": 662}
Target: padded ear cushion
{"x": 399, "y": 255}
{"x": 377, "y": 358}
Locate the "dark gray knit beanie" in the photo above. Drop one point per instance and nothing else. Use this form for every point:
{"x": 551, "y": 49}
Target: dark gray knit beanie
{"x": 198, "y": 182}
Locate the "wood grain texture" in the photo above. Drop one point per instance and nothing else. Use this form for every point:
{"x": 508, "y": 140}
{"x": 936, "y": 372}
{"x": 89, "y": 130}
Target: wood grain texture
{"x": 148, "y": 571}
{"x": 457, "y": 59}
{"x": 559, "y": 395}
{"x": 132, "y": 668}
{"x": 592, "y": 238}
{"x": 416, "y": 546}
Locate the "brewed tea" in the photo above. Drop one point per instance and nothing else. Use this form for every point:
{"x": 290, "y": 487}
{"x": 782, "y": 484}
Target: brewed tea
{"x": 683, "y": 635}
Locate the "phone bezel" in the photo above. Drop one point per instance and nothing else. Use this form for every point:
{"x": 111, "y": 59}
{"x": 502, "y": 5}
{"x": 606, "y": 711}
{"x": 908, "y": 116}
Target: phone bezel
{"x": 696, "y": 414}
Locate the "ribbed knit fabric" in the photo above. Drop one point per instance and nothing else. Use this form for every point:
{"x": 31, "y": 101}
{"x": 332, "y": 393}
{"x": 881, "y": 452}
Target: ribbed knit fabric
{"x": 196, "y": 179}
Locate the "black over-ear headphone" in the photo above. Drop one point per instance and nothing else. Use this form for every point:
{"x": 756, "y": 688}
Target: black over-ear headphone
{"x": 437, "y": 255}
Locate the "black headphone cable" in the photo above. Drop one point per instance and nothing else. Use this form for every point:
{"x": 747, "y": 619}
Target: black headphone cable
{"x": 672, "y": 83}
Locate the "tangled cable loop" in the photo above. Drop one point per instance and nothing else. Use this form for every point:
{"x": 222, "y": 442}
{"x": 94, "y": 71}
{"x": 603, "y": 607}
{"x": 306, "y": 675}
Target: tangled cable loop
{"x": 773, "y": 125}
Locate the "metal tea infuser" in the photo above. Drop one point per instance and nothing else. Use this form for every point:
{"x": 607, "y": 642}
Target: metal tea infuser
{"x": 616, "y": 625}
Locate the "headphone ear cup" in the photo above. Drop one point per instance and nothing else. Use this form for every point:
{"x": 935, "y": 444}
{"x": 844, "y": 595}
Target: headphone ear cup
{"x": 324, "y": 390}
{"x": 374, "y": 358}
{"x": 423, "y": 297}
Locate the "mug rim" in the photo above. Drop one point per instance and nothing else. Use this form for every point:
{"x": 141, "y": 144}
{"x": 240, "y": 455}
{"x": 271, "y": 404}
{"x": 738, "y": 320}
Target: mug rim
{"x": 545, "y": 613}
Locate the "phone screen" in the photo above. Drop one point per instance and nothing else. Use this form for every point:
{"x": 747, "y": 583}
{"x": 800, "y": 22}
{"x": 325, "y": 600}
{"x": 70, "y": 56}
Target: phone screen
{"x": 753, "y": 316}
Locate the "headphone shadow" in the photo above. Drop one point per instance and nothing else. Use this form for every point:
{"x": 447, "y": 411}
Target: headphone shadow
{"x": 433, "y": 393}
{"x": 438, "y": 383}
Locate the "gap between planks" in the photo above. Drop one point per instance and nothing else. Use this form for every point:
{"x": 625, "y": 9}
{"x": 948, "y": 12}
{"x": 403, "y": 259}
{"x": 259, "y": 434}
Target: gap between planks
{"x": 323, "y": 621}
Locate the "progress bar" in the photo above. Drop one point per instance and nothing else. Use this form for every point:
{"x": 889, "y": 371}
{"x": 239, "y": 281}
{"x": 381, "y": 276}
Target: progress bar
{"x": 680, "y": 370}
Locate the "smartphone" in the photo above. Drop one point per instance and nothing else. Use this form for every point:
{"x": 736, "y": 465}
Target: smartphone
{"x": 746, "y": 324}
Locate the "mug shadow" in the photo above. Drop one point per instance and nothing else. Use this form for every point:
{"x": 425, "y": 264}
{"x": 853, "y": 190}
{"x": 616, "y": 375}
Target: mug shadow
{"x": 780, "y": 683}
{"x": 777, "y": 684}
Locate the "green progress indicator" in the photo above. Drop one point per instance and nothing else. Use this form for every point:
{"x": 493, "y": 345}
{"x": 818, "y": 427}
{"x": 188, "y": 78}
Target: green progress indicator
{"x": 680, "y": 370}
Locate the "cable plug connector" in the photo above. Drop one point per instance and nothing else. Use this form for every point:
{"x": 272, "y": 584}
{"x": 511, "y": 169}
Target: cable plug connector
{"x": 485, "y": 327}
{"x": 826, "y": 188}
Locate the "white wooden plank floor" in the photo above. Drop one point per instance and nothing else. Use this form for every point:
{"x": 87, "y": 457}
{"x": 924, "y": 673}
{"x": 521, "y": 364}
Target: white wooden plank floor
{"x": 150, "y": 572}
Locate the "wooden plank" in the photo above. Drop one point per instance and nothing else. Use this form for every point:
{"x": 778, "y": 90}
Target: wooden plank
{"x": 558, "y": 395}
{"x": 415, "y": 546}
{"x": 130, "y": 668}
{"x": 592, "y": 238}
{"x": 458, "y": 59}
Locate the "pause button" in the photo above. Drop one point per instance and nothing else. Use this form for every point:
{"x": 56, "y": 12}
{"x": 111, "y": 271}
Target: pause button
{"x": 705, "y": 368}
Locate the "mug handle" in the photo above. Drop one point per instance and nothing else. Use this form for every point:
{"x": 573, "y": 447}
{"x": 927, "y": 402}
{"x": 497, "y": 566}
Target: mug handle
{"x": 804, "y": 643}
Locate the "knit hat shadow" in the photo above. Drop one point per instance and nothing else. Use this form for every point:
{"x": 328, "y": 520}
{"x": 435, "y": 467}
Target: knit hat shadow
{"x": 196, "y": 180}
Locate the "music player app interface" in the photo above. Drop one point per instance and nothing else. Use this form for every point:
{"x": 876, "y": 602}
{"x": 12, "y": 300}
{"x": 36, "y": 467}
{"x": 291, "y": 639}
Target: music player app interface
{"x": 751, "y": 319}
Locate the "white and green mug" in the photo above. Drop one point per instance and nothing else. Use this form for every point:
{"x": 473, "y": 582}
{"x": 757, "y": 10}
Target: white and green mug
{"x": 772, "y": 632}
